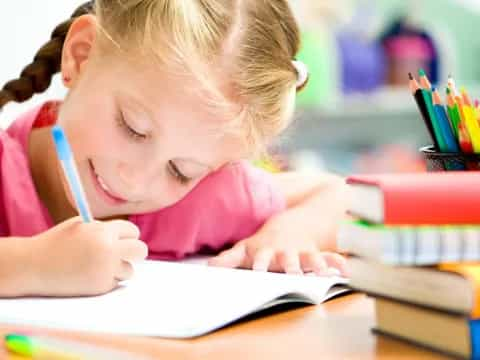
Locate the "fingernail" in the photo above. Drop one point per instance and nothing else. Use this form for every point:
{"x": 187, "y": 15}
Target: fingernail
{"x": 333, "y": 272}
{"x": 259, "y": 269}
{"x": 294, "y": 272}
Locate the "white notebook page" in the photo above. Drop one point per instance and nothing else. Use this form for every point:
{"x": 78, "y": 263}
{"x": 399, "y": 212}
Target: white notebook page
{"x": 167, "y": 300}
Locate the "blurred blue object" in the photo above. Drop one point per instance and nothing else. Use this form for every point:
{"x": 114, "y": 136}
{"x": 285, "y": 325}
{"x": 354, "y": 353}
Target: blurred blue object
{"x": 362, "y": 63}
{"x": 361, "y": 56}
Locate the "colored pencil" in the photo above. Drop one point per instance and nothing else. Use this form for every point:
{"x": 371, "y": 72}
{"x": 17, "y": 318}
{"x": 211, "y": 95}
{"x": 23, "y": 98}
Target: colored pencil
{"x": 444, "y": 124}
{"x": 453, "y": 112}
{"x": 471, "y": 121}
{"x": 422, "y": 107}
{"x": 427, "y": 96}
{"x": 424, "y": 80}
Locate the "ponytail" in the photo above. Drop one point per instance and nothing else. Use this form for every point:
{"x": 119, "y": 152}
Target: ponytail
{"x": 37, "y": 76}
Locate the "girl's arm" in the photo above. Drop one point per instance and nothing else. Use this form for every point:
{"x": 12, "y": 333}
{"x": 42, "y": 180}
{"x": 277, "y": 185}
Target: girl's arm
{"x": 301, "y": 238}
{"x": 16, "y": 274}
{"x": 318, "y": 200}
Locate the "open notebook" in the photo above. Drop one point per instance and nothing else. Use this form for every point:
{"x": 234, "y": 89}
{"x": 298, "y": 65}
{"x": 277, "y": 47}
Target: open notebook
{"x": 171, "y": 300}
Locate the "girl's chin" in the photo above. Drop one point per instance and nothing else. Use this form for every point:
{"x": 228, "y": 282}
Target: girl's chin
{"x": 100, "y": 213}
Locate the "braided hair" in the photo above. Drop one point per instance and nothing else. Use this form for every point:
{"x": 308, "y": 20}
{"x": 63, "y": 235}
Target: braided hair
{"x": 37, "y": 76}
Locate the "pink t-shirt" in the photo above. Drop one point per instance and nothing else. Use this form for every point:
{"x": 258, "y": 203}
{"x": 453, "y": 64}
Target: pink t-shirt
{"x": 227, "y": 206}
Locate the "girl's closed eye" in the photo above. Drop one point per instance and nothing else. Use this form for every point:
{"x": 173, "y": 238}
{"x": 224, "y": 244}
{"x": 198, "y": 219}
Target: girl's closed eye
{"x": 177, "y": 174}
{"x": 130, "y": 131}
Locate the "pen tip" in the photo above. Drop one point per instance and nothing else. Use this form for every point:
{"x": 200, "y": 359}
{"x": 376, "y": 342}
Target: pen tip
{"x": 421, "y": 72}
{"x": 410, "y": 76}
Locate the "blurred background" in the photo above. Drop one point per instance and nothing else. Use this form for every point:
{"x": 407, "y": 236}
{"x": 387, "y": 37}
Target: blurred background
{"x": 357, "y": 114}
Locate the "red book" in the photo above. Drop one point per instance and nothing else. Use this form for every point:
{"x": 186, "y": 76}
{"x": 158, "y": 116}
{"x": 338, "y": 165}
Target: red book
{"x": 420, "y": 198}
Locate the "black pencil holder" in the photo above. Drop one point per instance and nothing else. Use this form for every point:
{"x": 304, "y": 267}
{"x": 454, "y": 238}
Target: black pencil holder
{"x": 437, "y": 161}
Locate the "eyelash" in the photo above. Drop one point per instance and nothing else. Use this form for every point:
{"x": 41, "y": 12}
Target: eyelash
{"x": 129, "y": 131}
{"x": 184, "y": 180}
{"x": 177, "y": 174}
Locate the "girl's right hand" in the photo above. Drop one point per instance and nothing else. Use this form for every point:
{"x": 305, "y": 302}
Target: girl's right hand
{"x": 76, "y": 258}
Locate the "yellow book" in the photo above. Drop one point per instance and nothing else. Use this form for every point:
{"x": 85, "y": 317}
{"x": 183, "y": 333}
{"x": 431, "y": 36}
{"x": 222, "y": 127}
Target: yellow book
{"x": 472, "y": 274}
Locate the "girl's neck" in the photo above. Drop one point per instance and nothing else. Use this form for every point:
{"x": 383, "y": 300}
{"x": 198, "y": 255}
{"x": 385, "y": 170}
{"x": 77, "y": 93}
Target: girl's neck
{"x": 46, "y": 175}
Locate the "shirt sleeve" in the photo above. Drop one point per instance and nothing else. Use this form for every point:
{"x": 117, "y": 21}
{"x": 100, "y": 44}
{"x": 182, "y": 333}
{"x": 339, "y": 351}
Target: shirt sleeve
{"x": 246, "y": 200}
{"x": 264, "y": 199}
{"x": 226, "y": 207}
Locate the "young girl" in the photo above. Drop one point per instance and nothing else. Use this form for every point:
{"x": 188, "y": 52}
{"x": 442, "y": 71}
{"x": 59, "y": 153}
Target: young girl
{"x": 167, "y": 98}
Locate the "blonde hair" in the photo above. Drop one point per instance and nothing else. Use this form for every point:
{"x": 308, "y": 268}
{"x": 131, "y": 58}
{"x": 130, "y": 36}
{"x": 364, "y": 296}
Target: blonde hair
{"x": 257, "y": 40}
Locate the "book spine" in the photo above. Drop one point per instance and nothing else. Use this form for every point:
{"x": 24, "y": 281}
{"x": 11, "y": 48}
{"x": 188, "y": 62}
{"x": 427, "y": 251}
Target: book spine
{"x": 438, "y": 211}
{"x": 420, "y": 344}
{"x": 409, "y": 246}
{"x": 425, "y": 306}
{"x": 475, "y": 338}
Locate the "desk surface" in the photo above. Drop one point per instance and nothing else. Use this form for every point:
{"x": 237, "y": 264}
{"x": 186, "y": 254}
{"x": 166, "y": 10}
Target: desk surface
{"x": 339, "y": 329}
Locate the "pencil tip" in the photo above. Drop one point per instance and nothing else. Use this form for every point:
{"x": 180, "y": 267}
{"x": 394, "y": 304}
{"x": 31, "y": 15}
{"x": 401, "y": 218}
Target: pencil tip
{"x": 410, "y": 76}
{"x": 421, "y": 72}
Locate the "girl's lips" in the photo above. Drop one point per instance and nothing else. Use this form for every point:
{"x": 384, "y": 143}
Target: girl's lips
{"x": 103, "y": 188}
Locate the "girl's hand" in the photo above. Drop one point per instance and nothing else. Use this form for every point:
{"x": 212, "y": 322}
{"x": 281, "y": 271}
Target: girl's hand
{"x": 283, "y": 245}
{"x": 76, "y": 258}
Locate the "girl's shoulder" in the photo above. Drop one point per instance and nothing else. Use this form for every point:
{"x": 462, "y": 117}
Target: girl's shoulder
{"x": 255, "y": 184}
{"x": 39, "y": 116}
{"x": 248, "y": 189}
{"x": 21, "y": 211}
{"x": 227, "y": 206}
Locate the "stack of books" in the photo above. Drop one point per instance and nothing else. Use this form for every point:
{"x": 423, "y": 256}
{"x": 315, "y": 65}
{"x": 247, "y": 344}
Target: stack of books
{"x": 416, "y": 250}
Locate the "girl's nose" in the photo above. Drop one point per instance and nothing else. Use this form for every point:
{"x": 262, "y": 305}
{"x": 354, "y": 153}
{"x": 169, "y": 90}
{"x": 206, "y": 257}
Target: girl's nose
{"x": 137, "y": 179}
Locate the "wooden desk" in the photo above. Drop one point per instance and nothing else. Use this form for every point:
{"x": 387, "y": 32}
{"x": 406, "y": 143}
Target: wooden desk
{"x": 339, "y": 329}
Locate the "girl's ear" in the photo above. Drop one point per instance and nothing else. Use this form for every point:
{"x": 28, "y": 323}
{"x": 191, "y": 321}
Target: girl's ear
{"x": 77, "y": 48}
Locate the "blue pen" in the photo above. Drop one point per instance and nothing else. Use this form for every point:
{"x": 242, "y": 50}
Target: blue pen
{"x": 71, "y": 173}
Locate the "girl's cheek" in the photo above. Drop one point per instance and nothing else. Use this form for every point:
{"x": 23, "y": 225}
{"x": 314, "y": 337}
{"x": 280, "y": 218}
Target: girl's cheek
{"x": 168, "y": 192}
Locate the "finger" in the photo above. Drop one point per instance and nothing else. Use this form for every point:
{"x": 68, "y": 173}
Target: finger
{"x": 124, "y": 272}
{"x": 314, "y": 262}
{"x": 132, "y": 250}
{"x": 124, "y": 229}
{"x": 112, "y": 286}
{"x": 336, "y": 261}
{"x": 263, "y": 259}
{"x": 290, "y": 262}
{"x": 232, "y": 258}
{"x": 74, "y": 221}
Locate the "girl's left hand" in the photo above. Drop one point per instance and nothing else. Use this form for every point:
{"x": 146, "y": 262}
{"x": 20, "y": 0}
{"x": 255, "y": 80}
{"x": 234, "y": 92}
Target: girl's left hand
{"x": 284, "y": 245}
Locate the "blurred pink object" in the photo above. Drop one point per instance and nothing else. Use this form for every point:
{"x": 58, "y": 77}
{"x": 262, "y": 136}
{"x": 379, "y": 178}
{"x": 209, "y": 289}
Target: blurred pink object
{"x": 390, "y": 158}
{"x": 406, "y": 54}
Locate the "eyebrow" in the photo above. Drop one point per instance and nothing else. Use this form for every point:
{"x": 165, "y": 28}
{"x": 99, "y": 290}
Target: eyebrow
{"x": 137, "y": 104}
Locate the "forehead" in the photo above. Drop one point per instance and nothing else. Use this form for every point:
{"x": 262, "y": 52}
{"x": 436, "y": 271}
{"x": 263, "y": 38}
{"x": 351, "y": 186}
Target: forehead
{"x": 209, "y": 94}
